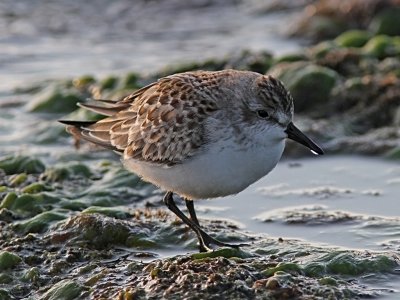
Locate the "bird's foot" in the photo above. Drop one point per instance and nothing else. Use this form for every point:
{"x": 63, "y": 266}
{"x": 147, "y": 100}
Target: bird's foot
{"x": 206, "y": 240}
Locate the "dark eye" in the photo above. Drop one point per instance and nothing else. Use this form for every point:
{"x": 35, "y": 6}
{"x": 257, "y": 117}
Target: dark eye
{"x": 262, "y": 113}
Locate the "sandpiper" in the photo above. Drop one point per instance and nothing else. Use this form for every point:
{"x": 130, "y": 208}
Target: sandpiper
{"x": 198, "y": 134}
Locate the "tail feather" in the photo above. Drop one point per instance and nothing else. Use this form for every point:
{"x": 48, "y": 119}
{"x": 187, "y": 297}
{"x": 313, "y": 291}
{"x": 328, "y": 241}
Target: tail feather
{"x": 77, "y": 123}
{"x": 81, "y": 130}
{"x": 98, "y": 132}
{"x": 104, "y": 107}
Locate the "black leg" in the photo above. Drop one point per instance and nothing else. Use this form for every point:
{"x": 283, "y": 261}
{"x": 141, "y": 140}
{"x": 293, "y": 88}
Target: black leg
{"x": 192, "y": 212}
{"x": 204, "y": 239}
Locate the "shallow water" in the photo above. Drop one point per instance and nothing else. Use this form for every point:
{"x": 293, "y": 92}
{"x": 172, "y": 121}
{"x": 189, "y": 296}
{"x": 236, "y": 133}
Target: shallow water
{"x": 364, "y": 189}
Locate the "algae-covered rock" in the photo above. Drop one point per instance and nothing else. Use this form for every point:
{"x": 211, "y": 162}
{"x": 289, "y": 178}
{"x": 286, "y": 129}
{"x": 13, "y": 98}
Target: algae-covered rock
{"x": 18, "y": 179}
{"x": 320, "y": 27}
{"x": 328, "y": 281}
{"x": 209, "y": 65}
{"x": 223, "y": 252}
{"x": 382, "y": 46}
{"x": 115, "y": 212}
{"x": 109, "y": 82}
{"x": 130, "y": 81}
{"x": 309, "y": 84}
{"x": 38, "y": 223}
{"x": 55, "y": 99}
{"x": 27, "y": 204}
{"x": 245, "y": 60}
{"x": 353, "y": 38}
{"x": 386, "y": 22}
{"x": 31, "y": 275}
{"x": 5, "y": 295}
{"x": 322, "y": 49}
{"x": 21, "y": 164}
{"x": 8, "y": 200}
{"x": 347, "y": 264}
{"x": 8, "y": 260}
{"x": 5, "y": 278}
{"x": 283, "y": 267}
{"x": 35, "y": 188}
{"x": 67, "y": 171}
{"x": 98, "y": 230}
{"x": 83, "y": 81}
{"x": 64, "y": 290}
{"x": 291, "y": 58}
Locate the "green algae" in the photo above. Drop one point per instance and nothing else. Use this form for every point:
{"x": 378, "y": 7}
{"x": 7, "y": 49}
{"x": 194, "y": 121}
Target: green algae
{"x": 83, "y": 81}
{"x": 320, "y": 50}
{"x": 64, "y": 290}
{"x": 116, "y": 186}
{"x": 353, "y": 38}
{"x": 209, "y": 65}
{"x": 67, "y": 171}
{"x": 4, "y": 294}
{"x": 382, "y": 46}
{"x": 18, "y": 179}
{"x": 109, "y": 82}
{"x": 347, "y": 264}
{"x": 283, "y": 267}
{"x": 31, "y": 275}
{"x": 393, "y": 153}
{"x": 55, "y": 99}
{"x": 28, "y": 204}
{"x": 130, "y": 81}
{"x": 35, "y": 188}
{"x": 386, "y": 22}
{"x": 343, "y": 263}
{"x": 118, "y": 213}
{"x": 310, "y": 84}
{"x": 98, "y": 230}
{"x": 141, "y": 241}
{"x": 5, "y": 278}
{"x": 328, "y": 281}
{"x": 291, "y": 58}
{"x": 38, "y": 223}
{"x": 21, "y": 164}
{"x": 226, "y": 252}
{"x": 8, "y": 260}
{"x": 8, "y": 200}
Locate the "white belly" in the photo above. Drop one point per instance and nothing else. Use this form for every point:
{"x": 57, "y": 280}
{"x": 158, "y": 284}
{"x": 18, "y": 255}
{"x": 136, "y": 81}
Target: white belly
{"x": 223, "y": 169}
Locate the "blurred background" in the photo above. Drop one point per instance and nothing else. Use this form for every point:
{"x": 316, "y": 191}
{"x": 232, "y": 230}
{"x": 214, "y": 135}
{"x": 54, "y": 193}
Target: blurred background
{"x": 70, "y": 38}
{"x": 65, "y": 203}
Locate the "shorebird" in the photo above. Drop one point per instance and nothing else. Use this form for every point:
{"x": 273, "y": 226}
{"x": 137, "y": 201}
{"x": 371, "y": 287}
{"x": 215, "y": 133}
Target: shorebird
{"x": 198, "y": 134}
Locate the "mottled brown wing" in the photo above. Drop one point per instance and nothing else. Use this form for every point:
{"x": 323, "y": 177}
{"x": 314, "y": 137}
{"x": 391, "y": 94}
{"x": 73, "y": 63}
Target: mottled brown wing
{"x": 162, "y": 123}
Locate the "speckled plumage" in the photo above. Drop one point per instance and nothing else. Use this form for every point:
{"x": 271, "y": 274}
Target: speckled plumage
{"x": 164, "y": 122}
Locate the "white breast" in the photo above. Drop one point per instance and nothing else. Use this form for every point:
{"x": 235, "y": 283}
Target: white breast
{"x": 222, "y": 168}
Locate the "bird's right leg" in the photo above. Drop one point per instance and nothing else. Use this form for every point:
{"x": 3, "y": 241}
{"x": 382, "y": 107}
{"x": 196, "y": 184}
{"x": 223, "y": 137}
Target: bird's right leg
{"x": 192, "y": 212}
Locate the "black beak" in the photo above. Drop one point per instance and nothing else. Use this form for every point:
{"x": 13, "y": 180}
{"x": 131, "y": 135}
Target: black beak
{"x": 296, "y": 135}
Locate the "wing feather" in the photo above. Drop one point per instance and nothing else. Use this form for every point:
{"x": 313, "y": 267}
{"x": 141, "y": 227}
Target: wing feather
{"x": 160, "y": 123}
